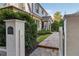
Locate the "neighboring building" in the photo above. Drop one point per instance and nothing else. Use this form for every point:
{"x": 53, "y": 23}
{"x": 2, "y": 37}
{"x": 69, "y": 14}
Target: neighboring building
{"x": 37, "y": 12}
{"x": 71, "y": 30}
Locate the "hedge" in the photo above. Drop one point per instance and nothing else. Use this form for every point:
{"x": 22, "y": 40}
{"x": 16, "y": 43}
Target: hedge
{"x": 30, "y": 26}
{"x": 44, "y": 32}
{"x": 55, "y": 26}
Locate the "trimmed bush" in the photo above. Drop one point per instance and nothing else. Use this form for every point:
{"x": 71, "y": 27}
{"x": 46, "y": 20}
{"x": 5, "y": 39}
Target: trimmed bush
{"x": 55, "y": 26}
{"x": 43, "y": 32}
{"x": 42, "y": 37}
{"x": 30, "y": 26}
{"x": 61, "y": 22}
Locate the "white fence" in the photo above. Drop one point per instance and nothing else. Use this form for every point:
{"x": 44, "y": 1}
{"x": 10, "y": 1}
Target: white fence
{"x": 61, "y": 42}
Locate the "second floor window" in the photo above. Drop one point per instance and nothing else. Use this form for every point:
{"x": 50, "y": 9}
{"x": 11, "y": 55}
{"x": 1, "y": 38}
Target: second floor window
{"x": 37, "y": 8}
{"x": 42, "y": 12}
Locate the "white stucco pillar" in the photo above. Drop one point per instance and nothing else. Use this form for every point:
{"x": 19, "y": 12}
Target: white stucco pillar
{"x": 60, "y": 41}
{"x": 15, "y": 38}
{"x": 65, "y": 35}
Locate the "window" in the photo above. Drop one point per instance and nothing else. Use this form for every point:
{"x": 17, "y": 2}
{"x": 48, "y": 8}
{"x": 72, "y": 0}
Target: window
{"x": 37, "y": 8}
{"x": 42, "y": 12}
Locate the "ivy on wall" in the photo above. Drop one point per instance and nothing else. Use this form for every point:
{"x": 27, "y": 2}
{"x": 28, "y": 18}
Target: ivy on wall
{"x": 30, "y": 26}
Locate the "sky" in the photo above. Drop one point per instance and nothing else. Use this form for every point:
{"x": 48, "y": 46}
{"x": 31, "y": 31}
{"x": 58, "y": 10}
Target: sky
{"x": 64, "y": 8}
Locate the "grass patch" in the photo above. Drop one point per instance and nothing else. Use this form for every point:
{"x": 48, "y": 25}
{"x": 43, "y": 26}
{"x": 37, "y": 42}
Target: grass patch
{"x": 42, "y": 37}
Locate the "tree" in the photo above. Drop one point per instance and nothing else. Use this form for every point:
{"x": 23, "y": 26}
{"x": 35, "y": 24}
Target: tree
{"x": 55, "y": 26}
{"x": 57, "y": 16}
{"x": 58, "y": 21}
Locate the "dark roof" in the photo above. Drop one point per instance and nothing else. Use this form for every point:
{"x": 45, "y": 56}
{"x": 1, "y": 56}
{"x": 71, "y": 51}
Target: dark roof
{"x": 47, "y": 17}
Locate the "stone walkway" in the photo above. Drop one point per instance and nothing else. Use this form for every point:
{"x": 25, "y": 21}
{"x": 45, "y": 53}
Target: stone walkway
{"x": 48, "y": 47}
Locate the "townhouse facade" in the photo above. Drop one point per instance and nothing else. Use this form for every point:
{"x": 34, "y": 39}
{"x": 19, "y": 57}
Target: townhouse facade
{"x": 39, "y": 14}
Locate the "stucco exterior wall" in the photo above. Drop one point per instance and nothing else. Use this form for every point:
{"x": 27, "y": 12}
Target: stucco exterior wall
{"x": 72, "y": 41}
{"x": 20, "y": 38}
{"x": 10, "y": 42}
{"x": 15, "y": 42}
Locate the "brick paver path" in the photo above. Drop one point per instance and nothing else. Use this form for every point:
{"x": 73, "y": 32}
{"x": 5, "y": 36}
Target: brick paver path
{"x": 52, "y": 42}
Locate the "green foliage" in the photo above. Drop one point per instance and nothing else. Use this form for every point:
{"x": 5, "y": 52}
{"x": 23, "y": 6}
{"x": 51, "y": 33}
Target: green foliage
{"x": 31, "y": 35}
{"x": 30, "y": 26}
{"x": 58, "y": 21}
{"x": 57, "y": 16}
{"x": 61, "y": 22}
{"x": 55, "y": 26}
{"x": 42, "y": 37}
{"x": 43, "y": 32}
{"x": 2, "y": 34}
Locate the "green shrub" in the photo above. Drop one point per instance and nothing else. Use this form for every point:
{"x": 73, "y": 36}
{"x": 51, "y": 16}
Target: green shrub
{"x": 42, "y": 37}
{"x": 43, "y": 32}
{"x": 61, "y": 22}
{"x": 2, "y": 34}
{"x": 30, "y": 26}
{"x": 55, "y": 26}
